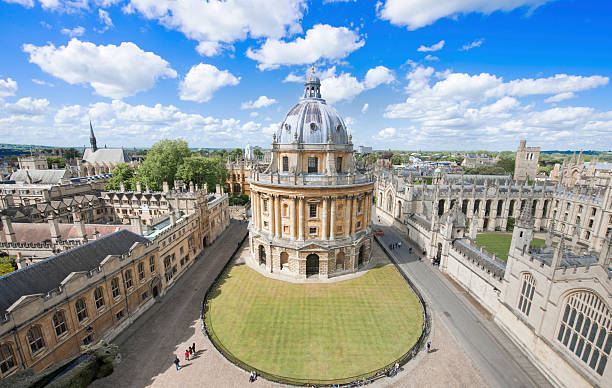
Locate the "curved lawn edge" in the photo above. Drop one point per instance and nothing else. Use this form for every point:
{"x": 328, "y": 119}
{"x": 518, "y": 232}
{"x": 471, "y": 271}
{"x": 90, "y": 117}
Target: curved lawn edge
{"x": 371, "y": 375}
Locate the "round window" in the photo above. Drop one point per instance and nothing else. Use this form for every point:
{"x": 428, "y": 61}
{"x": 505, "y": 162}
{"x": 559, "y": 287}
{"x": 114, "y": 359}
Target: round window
{"x": 287, "y": 127}
{"x": 339, "y": 127}
{"x": 313, "y": 127}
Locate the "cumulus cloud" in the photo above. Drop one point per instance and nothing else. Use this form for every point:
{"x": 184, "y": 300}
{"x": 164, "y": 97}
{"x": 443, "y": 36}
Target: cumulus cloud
{"x": 112, "y": 71}
{"x": 261, "y": 102}
{"x": 224, "y": 21}
{"x": 8, "y": 87}
{"x": 560, "y": 97}
{"x": 72, "y": 32}
{"x": 25, "y": 3}
{"x": 105, "y": 19}
{"x": 430, "y": 57}
{"x": 485, "y": 108}
{"x": 203, "y": 80}
{"x": 42, "y": 83}
{"x": 378, "y": 76}
{"x": 345, "y": 86}
{"x": 415, "y": 14}
{"x": 322, "y": 41}
{"x": 208, "y": 49}
{"x": 387, "y": 133}
{"x": 434, "y": 47}
{"x": 469, "y": 46}
{"x": 27, "y": 106}
{"x": 365, "y": 108}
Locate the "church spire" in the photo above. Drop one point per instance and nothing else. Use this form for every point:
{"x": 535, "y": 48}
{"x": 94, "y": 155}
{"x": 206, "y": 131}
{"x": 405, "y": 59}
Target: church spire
{"x": 92, "y": 138}
{"x": 312, "y": 85}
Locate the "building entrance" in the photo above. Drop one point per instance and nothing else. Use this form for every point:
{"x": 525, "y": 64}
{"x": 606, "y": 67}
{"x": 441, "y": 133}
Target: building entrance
{"x": 312, "y": 265}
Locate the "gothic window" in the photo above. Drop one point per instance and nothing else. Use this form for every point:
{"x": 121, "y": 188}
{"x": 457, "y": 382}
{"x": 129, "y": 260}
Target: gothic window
{"x": 99, "y": 297}
{"x": 59, "y": 323}
{"x": 313, "y": 164}
{"x": 35, "y": 339}
{"x": 152, "y": 264}
{"x": 527, "y": 291}
{"x": 81, "y": 309}
{"x": 313, "y": 210}
{"x": 128, "y": 279}
{"x": 339, "y": 164}
{"x": 7, "y": 358}
{"x": 285, "y": 163}
{"x": 115, "y": 287}
{"x": 585, "y": 329}
{"x": 141, "y": 271}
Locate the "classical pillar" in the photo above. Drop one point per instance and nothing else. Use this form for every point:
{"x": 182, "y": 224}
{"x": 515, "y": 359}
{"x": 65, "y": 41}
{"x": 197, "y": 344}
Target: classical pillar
{"x": 301, "y": 219}
{"x": 324, "y": 233}
{"x": 332, "y": 221}
{"x": 253, "y": 212}
{"x": 349, "y": 215}
{"x": 294, "y": 229}
{"x": 273, "y": 215}
{"x": 261, "y": 211}
{"x": 277, "y": 215}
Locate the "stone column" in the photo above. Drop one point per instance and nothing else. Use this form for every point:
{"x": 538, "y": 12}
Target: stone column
{"x": 349, "y": 215}
{"x": 301, "y": 219}
{"x": 253, "y": 222}
{"x": 277, "y": 215}
{"x": 294, "y": 228}
{"x": 273, "y": 215}
{"x": 260, "y": 211}
{"x": 324, "y": 224}
{"x": 332, "y": 221}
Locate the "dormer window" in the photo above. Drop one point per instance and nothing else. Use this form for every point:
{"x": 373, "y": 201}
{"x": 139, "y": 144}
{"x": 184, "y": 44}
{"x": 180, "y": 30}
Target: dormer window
{"x": 313, "y": 127}
{"x": 339, "y": 127}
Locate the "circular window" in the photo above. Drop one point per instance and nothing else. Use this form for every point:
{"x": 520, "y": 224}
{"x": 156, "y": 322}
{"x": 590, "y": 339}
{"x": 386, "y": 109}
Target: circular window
{"x": 313, "y": 127}
{"x": 339, "y": 127}
{"x": 287, "y": 127}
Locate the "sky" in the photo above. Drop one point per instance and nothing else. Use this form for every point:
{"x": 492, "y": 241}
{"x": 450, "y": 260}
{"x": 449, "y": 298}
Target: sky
{"x": 404, "y": 74}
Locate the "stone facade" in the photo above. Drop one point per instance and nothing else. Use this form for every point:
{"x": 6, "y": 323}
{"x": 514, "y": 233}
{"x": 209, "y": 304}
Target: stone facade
{"x": 311, "y": 208}
{"x": 32, "y": 163}
{"x": 526, "y": 163}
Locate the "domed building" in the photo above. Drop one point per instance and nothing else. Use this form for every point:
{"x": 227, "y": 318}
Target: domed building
{"x": 311, "y": 209}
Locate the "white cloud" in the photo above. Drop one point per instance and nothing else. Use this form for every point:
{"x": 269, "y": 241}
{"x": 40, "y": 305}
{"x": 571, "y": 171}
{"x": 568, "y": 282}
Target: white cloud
{"x": 415, "y": 14}
{"x": 253, "y": 114}
{"x": 387, "y": 133}
{"x": 76, "y": 31}
{"x": 322, "y": 41}
{"x": 25, "y": 3}
{"x": 112, "y": 71}
{"x": 365, "y": 108}
{"x": 434, "y": 47}
{"x": 345, "y": 86}
{"x": 41, "y": 82}
{"x": 430, "y": 57}
{"x": 27, "y": 106}
{"x": 261, "y": 102}
{"x": 378, "y": 76}
{"x": 560, "y": 97}
{"x": 8, "y": 87}
{"x": 224, "y": 21}
{"x": 469, "y": 46}
{"x": 208, "y": 49}
{"x": 104, "y": 19}
{"x": 202, "y": 81}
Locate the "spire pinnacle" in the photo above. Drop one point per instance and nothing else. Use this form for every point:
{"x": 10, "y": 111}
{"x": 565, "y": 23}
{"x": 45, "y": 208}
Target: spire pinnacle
{"x": 92, "y": 138}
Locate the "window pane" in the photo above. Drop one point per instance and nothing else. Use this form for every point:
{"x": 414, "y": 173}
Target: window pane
{"x": 593, "y": 332}
{"x": 566, "y": 313}
{"x": 594, "y": 359}
{"x": 573, "y": 343}
{"x": 602, "y": 337}
{"x": 572, "y": 318}
{"x": 580, "y": 346}
{"x": 608, "y": 344}
{"x": 602, "y": 365}
{"x": 587, "y": 351}
{"x": 561, "y": 330}
{"x": 585, "y": 328}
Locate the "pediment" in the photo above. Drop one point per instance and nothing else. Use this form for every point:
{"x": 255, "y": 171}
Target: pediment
{"x": 313, "y": 247}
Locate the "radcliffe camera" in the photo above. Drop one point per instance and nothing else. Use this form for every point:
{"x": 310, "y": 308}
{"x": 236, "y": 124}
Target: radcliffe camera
{"x": 311, "y": 193}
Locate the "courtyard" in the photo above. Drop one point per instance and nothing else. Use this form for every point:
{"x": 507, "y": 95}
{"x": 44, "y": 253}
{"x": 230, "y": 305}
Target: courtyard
{"x": 499, "y": 243}
{"x": 318, "y": 332}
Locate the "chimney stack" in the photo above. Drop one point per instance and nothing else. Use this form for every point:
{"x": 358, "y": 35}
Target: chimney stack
{"x": 172, "y": 219}
{"x": 78, "y": 220}
{"x": 138, "y": 187}
{"x": 136, "y": 223}
{"x": 121, "y": 186}
{"x": 55, "y": 233}
{"x": 218, "y": 189}
{"x": 8, "y": 229}
{"x": 165, "y": 187}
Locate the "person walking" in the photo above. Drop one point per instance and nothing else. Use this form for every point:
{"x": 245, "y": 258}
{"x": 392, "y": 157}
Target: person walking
{"x": 186, "y": 355}
{"x": 176, "y": 362}
{"x": 428, "y": 346}
{"x": 193, "y": 346}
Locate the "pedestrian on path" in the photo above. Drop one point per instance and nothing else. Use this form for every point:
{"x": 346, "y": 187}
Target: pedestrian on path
{"x": 190, "y": 351}
{"x": 399, "y": 244}
{"x": 176, "y": 362}
{"x": 428, "y": 346}
{"x": 186, "y": 355}
{"x": 252, "y": 377}
{"x": 193, "y": 346}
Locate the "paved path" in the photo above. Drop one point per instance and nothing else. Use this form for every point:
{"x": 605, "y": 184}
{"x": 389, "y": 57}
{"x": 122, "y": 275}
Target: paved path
{"x": 496, "y": 357}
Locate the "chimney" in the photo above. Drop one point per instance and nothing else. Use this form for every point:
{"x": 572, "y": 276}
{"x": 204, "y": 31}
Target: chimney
{"x": 165, "y": 187}
{"x": 55, "y": 233}
{"x": 147, "y": 187}
{"x": 138, "y": 187}
{"x": 136, "y": 224}
{"x": 8, "y": 229}
{"x": 46, "y": 196}
{"x": 218, "y": 189}
{"x": 191, "y": 187}
{"x": 10, "y": 201}
{"x": 121, "y": 186}
{"x": 172, "y": 219}
{"x": 78, "y": 220}
{"x": 205, "y": 188}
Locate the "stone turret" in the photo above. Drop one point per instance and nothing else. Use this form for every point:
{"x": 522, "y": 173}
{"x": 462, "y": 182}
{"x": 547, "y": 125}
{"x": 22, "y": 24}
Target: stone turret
{"x": 9, "y": 232}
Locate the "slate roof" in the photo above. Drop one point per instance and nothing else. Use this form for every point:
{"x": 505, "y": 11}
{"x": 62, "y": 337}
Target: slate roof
{"x": 46, "y": 275}
{"x": 106, "y": 155}
{"x": 40, "y": 232}
{"x": 43, "y": 177}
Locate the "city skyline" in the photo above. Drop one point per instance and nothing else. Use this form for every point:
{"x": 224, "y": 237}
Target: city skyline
{"x": 404, "y": 75}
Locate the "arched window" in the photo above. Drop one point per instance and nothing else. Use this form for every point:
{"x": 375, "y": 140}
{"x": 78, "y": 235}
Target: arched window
{"x": 141, "y": 271}
{"x": 81, "y": 309}
{"x": 527, "y": 291}
{"x": 152, "y": 264}
{"x": 585, "y": 329}
{"x": 128, "y": 279}
{"x": 35, "y": 339}
{"x": 115, "y": 287}
{"x": 59, "y": 323}
{"x": 7, "y": 358}
{"x": 285, "y": 163}
{"x": 99, "y": 298}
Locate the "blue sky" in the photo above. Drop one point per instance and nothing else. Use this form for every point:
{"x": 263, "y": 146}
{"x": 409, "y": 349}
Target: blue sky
{"x": 404, "y": 74}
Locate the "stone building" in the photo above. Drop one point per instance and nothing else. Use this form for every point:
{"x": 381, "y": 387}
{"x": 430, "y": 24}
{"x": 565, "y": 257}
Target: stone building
{"x": 98, "y": 161}
{"x": 526, "y": 162}
{"x": 576, "y": 171}
{"x": 32, "y": 163}
{"x": 238, "y": 175}
{"x": 311, "y": 208}
{"x": 474, "y": 160}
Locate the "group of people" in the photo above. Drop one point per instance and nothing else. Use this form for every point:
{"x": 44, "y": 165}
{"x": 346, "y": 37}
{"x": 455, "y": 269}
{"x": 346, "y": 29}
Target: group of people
{"x": 395, "y": 245}
{"x": 188, "y": 353}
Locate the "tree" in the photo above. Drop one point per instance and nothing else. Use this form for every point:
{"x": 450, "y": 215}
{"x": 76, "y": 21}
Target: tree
{"x": 7, "y": 265}
{"x": 122, "y": 173}
{"x": 506, "y": 164}
{"x": 162, "y": 162}
{"x": 200, "y": 170}
{"x": 236, "y": 154}
{"x": 61, "y": 162}
{"x": 396, "y": 159}
{"x": 371, "y": 158}
{"x": 486, "y": 170}
{"x": 257, "y": 152}
{"x": 71, "y": 153}
{"x": 239, "y": 199}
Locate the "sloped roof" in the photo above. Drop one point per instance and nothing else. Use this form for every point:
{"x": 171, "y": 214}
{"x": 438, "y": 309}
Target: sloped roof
{"x": 44, "y": 276}
{"x": 43, "y": 177}
{"x": 40, "y": 232}
{"x": 106, "y": 155}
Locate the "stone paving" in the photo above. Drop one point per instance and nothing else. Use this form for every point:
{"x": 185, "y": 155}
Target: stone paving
{"x": 172, "y": 324}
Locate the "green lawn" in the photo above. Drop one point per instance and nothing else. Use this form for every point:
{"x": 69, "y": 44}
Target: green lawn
{"x": 315, "y": 331}
{"x": 500, "y": 243}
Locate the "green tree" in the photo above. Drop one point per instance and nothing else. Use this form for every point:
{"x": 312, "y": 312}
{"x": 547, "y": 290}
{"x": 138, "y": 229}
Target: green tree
{"x": 162, "y": 162}
{"x": 257, "y": 152}
{"x": 61, "y": 162}
{"x": 237, "y": 153}
{"x": 396, "y": 159}
{"x": 7, "y": 265}
{"x": 506, "y": 164}
{"x": 486, "y": 170}
{"x": 71, "y": 153}
{"x": 200, "y": 170}
{"x": 122, "y": 173}
{"x": 371, "y": 158}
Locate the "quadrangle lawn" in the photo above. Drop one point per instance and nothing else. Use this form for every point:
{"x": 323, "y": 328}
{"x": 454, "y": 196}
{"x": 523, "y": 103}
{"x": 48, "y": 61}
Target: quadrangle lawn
{"x": 315, "y": 331}
{"x": 499, "y": 243}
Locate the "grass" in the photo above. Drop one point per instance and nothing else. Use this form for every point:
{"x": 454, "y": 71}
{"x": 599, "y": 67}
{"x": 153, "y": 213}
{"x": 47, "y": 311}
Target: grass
{"x": 499, "y": 243}
{"x": 315, "y": 331}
